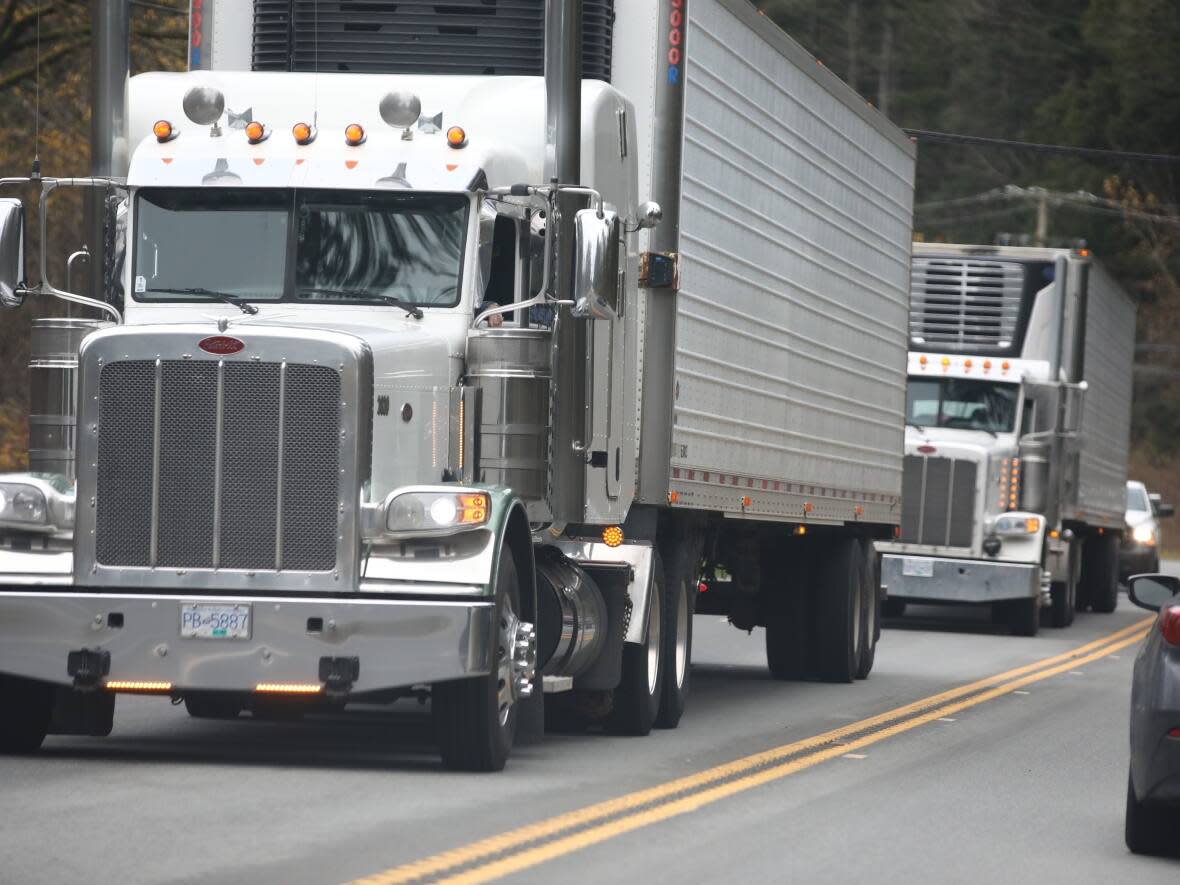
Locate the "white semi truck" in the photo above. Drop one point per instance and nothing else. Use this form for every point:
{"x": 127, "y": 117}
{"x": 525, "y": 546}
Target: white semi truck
{"x": 1018, "y": 430}
{"x": 421, "y": 372}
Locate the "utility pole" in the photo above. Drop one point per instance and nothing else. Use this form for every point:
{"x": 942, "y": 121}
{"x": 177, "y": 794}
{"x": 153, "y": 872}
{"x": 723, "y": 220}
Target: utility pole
{"x": 1041, "y": 237}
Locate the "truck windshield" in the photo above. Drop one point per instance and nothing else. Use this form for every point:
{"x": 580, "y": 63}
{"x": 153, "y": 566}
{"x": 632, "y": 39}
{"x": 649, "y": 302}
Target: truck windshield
{"x": 306, "y": 245}
{"x": 962, "y": 403}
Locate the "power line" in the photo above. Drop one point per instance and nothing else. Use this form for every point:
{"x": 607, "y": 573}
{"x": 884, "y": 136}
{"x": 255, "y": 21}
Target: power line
{"x": 1057, "y": 149}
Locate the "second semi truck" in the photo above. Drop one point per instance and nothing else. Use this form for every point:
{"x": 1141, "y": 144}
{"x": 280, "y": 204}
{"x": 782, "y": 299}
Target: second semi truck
{"x": 1018, "y": 412}
{"x": 422, "y": 372}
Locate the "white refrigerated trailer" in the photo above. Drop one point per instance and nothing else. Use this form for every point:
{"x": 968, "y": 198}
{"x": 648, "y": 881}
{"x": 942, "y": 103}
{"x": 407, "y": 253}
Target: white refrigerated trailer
{"x": 488, "y": 400}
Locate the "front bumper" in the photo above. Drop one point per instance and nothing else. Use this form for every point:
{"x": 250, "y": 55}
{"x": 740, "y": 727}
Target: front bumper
{"x": 1138, "y": 560}
{"x": 399, "y": 642}
{"x": 958, "y": 580}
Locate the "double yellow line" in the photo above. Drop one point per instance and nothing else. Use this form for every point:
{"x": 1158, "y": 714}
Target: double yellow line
{"x": 526, "y": 847}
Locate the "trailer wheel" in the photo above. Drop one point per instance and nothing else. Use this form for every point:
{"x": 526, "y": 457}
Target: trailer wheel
{"x": 837, "y": 604}
{"x": 25, "y": 710}
{"x": 893, "y": 607}
{"x": 1104, "y": 589}
{"x": 677, "y": 652}
{"x": 870, "y": 610}
{"x": 475, "y": 718}
{"x": 637, "y": 697}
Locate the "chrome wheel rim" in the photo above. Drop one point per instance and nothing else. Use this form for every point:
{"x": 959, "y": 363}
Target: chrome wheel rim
{"x": 681, "y": 637}
{"x": 505, "y": 684}
{"x": 653, "y": 640}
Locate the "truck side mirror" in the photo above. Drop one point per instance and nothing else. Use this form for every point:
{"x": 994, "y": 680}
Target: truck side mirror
{"x": 596, "y": 267}
{"x": 12, "y": 252}
{"x": 1158, "y": 507}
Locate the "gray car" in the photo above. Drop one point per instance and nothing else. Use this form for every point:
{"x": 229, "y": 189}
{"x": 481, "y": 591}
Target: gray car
{"x": 1153, "y": 790}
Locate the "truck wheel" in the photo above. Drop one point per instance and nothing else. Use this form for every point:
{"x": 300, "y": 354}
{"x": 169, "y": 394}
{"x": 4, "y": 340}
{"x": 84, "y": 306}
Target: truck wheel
{"x": 870, "y": 611}
{"x": 677, "y": 651}
{"x": 837, "y": 606}
{"x": 637, "y": 697}
{"x": 1104, "y": 593}
{"x": 1149, "y": 829}
{"x": 25, "y": 710}
{"x": 212, "y": 705}
{"x": 475, "y": 718}
{"x": 1062, "y": 608}
{"x": 1024, "y": 615}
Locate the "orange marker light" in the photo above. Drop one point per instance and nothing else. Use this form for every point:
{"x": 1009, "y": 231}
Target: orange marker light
{"x": 255, "y": 132}
{"x": 138, "y": 687}
{"x": 303, "y": 133}
{"x": 612, "y": 536}
{"x": 922, "y": 360}
{"x": 354, "y": 134}
{"x": 456, "y": 137}
{"x": 987, "y": 365}
{"x": 1005, "y": 365}
{"x": 673, "y": 497}
{"x": 473, "y": 509}
{"x": 801, "y": 530}
{"x": 289, "y": 687}
{"x": 163, "y": 131}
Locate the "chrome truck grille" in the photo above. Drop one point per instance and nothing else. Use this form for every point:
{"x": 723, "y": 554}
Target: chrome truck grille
{"x": 964, "y": 302}
{"x": 938, "y": 501}
{"x": 238, "y": 467}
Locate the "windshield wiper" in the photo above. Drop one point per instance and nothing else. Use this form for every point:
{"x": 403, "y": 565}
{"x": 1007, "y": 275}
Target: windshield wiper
{"x": 411, "y": 309}
{"x": 225, "y": 297}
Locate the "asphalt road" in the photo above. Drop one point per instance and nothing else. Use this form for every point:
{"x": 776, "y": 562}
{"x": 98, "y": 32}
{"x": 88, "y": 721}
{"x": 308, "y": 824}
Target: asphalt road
{"x": 1018, "y": 780}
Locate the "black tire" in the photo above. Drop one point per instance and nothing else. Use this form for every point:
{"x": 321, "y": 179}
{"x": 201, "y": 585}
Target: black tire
{"x": 892, "y": 608}
{"x": 213, "y": 705}
{"x": 1023, "y": 615}
{"x": 837, "y": 608}
{"x": 473, "y": 726}
{"x": 1061, "y": 608}
{"x": 25, "y": 710}
{"x": 785, "y": 599}
{"x": 1104, "y": 592}
{"x": 637, "y": 697}
{"x": 870, "y": 610}
{"x": 677, "y": 651}
{"x": 1150, "y": 829}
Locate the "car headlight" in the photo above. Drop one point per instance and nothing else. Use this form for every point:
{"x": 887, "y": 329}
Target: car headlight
{"x": 1017, "y": 525}
{"x": 1144, "y": 533}
{"x": 437, "y": 512}
{"x": 22, "y": 505}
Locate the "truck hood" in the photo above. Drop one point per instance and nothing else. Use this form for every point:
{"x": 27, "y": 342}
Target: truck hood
{"x": 971, "y": 445}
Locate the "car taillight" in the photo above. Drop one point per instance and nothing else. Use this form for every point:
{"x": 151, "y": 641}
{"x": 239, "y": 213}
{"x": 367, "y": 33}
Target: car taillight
{"x": 1170, "y": 624}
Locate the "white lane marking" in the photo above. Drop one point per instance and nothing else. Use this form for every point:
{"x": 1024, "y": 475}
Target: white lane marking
{"x": 853, "y": 756}
{"x": 1020, "y": 692}
{"x": 1076, "y": 673}
{"x": 946, "y": 719}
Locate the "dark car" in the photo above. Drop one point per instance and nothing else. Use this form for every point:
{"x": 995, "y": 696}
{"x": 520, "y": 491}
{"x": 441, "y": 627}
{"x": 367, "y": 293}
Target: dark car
{"x": 1153, "y": 790}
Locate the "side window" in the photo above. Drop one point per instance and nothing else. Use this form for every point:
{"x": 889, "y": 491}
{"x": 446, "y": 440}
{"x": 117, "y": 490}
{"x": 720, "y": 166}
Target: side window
{"x": 501, "y": 279}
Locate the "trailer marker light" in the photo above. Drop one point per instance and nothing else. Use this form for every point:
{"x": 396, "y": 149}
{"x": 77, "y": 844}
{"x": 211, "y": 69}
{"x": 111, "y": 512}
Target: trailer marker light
{"x": 256, "y": 132}
{"x": 922, "y": 361}
{"x": 987, "y": 365}
{"x": 456, "y": 137}
{"x": 133, "y": 686}
{"x": 946, "y": 363}
{"x": 1053, "y": 533}
{"x": 673, "y": 497}
{"x": 1005, "y": 365}
{"x": 799, "y": 530}
{"x": 746, "y": 502}
{"x": 288, "y": 688}
{"x": 303, "y": 133}
{"x": 967, "y": 365}
{"x": 354, "y": 134}
{"x": 163, "y": 131}
{"x": 612, "y": 536}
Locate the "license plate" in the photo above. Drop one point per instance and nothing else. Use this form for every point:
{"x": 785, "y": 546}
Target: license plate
{"x": 213, "y": 621}
{"x": 917, "y": 568}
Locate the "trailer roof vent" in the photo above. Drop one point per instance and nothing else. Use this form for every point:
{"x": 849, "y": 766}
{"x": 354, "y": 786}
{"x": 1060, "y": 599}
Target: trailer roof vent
{"x": 966, "y": 304}
{"x": 474, "y": 37}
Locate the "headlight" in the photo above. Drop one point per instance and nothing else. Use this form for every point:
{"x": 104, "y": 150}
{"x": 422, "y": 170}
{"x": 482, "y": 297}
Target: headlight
{"x": 1017, "y": 525}
{"x": 1144, "y": 533}
{"x": 22, "y": 505}
{"x": 436, "y": 512}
